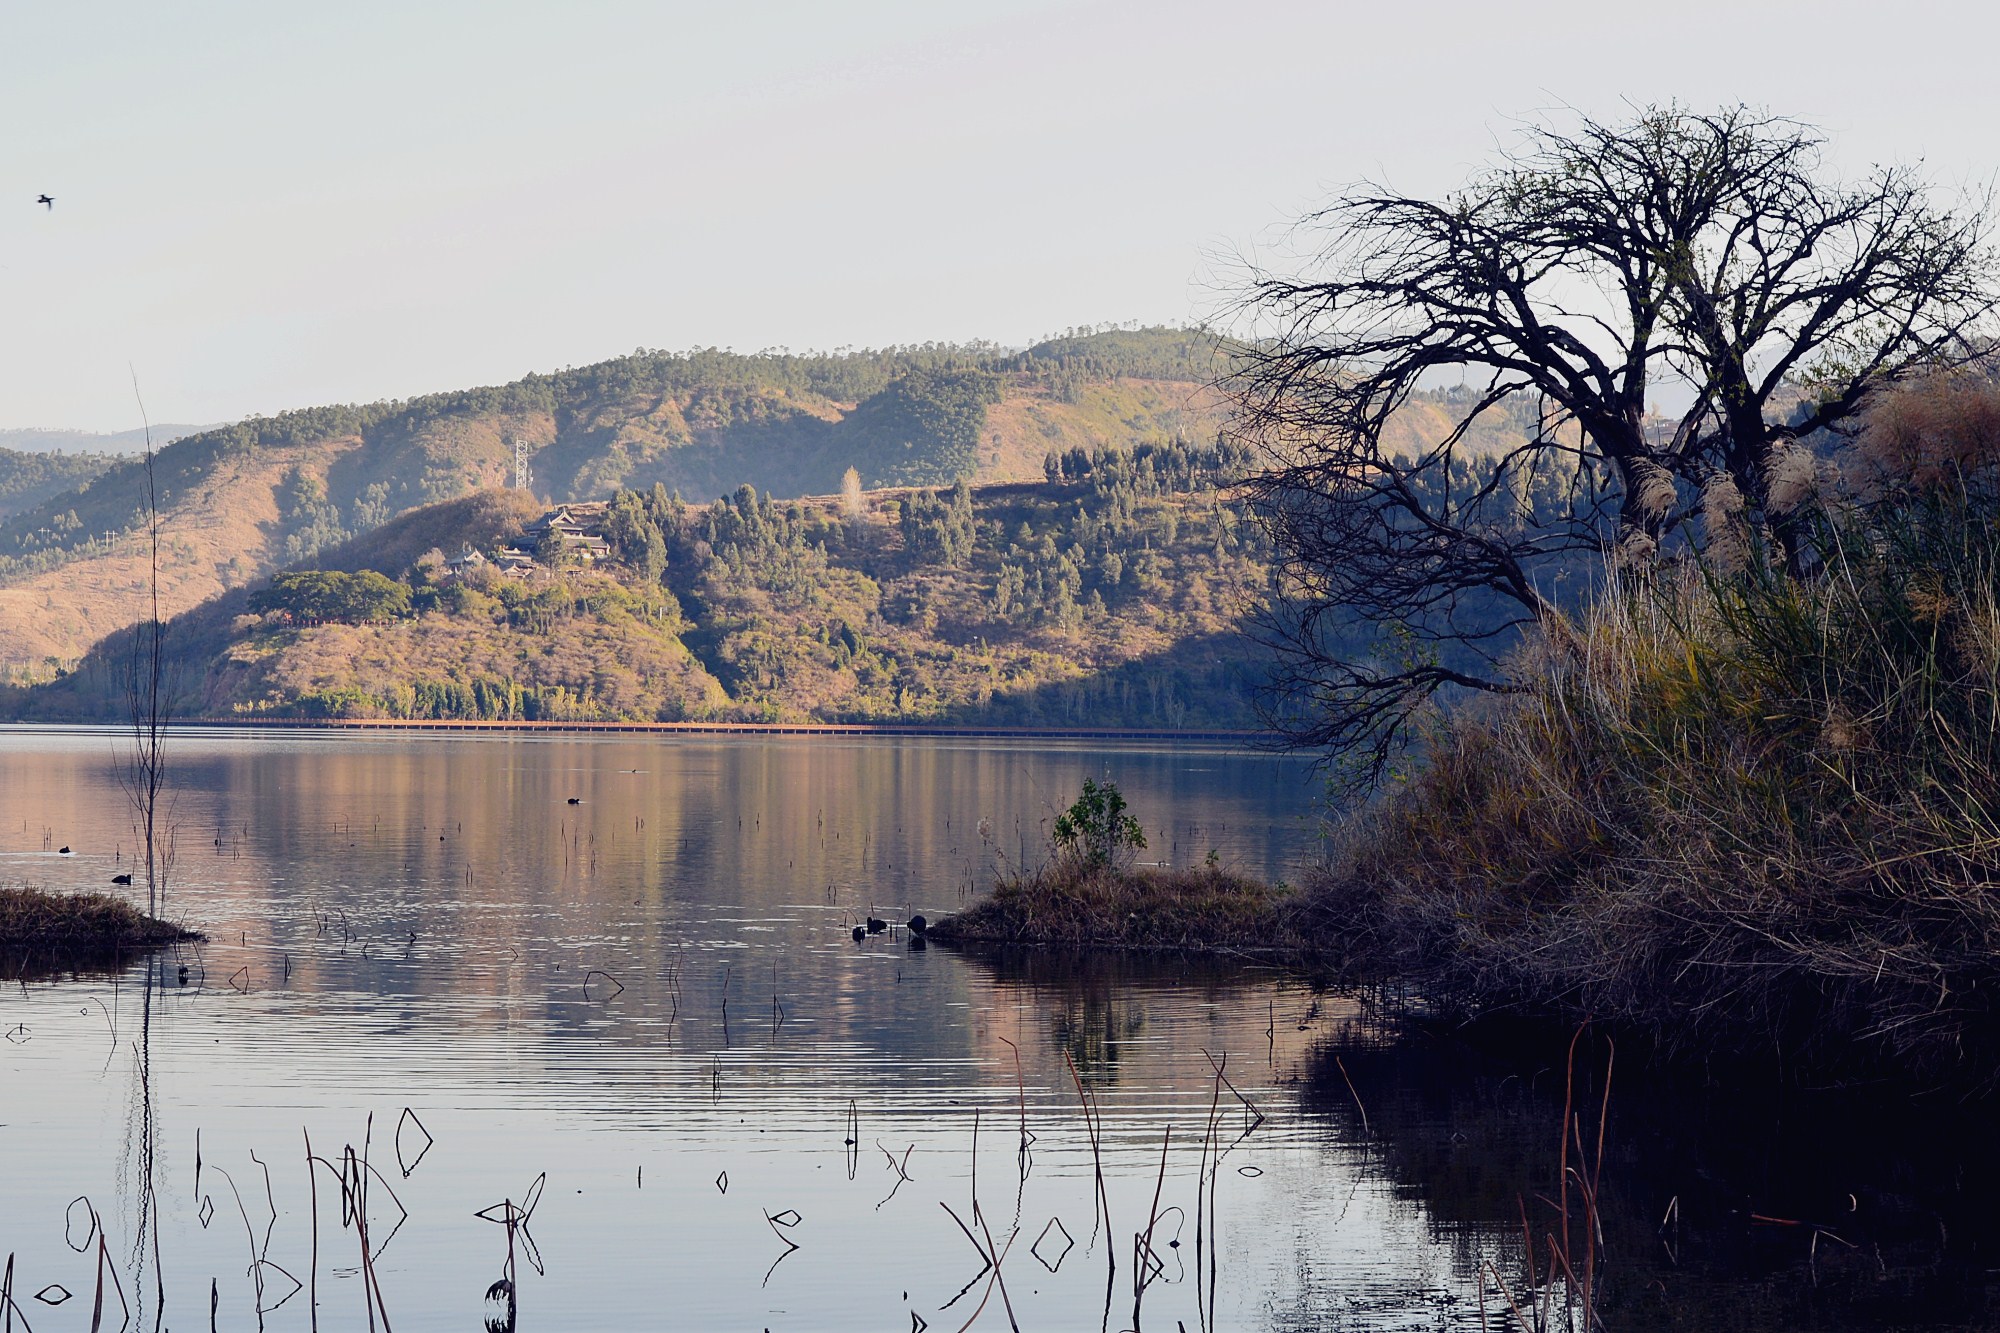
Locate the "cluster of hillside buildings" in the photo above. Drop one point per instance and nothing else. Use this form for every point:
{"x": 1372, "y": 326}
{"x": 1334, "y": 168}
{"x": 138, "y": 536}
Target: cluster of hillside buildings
{"x": 575, "y": 529}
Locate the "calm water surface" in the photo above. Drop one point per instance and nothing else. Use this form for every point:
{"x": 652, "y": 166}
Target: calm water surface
{"x": 740, "y": 1118}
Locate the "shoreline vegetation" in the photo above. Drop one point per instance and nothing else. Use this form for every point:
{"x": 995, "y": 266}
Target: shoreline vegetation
{"x": 42, "y": 930}
{"x": 1743, "y": 813}
{"x": 1747, "y": 812}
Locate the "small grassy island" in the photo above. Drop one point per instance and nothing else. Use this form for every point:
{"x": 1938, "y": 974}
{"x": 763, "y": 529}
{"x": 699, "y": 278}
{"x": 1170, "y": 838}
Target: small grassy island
{"x": 1065, "y": 904}
{"x": 40, "y": 929}
{"x": 1087, "y": 896}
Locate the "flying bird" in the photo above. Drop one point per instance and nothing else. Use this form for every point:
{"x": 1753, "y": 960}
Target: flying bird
{"x": 47, "y": 201}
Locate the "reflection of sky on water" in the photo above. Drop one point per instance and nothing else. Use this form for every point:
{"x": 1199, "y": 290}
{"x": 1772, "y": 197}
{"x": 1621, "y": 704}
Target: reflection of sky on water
{"x": 426, "y": 923}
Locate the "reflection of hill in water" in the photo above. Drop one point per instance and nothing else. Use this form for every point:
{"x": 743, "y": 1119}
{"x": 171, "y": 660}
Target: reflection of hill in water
{"x": 313, "y": 861}
{"x": 749, "y": 822}
{"x": 1471, "y": 1134}
{"x": 689, "y": 869}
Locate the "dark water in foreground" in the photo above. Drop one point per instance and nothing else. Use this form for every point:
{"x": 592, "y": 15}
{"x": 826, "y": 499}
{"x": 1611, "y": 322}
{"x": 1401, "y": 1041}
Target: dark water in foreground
{"x": 651, "y": 1002}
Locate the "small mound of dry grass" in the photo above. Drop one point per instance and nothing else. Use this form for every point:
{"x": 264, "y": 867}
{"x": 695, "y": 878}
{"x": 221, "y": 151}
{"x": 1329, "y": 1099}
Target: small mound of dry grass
{"x": 38, "y": 925}
{"x": 1068, "y": 904}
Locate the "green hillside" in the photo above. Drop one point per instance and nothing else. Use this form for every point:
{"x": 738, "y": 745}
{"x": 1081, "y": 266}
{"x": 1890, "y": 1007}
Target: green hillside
{"x": 32, "y": 480}
{"x": 1108, "y": 595}
{"x": 241, "y": 501}
{"x": 701, "y": 422}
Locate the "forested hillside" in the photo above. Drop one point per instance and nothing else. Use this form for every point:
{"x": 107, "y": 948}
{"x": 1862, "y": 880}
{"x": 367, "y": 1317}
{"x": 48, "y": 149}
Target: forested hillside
{"x": 31, "y": 479}
{"x": 1109, "y": 594}
{"x": 242, "y": 501}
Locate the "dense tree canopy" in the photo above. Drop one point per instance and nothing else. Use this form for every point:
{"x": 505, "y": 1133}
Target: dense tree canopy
{"x": 924, "y": 428}
{"x": 321, "y": 596}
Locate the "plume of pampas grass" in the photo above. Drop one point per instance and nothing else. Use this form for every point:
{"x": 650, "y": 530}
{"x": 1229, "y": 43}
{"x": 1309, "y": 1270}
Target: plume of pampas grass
{"x": 1652, "y": 489}
{"x": 1726, "y": 544}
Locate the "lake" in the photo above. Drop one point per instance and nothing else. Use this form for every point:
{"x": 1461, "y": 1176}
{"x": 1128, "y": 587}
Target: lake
{"x": 627, "y": 1053}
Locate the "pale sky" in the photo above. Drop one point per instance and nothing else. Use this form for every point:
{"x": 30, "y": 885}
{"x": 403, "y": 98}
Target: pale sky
{"x": 265, "y": 205}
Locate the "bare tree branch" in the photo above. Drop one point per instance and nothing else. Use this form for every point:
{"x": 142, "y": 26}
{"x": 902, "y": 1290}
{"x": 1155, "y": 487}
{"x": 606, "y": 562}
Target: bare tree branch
{"x": 1569, "y": 285}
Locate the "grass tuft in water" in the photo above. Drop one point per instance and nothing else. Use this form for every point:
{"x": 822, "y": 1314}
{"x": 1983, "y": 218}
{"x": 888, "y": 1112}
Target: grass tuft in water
{"x": 66, "y": 929}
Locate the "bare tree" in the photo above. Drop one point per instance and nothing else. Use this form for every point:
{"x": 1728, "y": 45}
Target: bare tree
{"x": 148, "y": 688}
{"x": 1707, "y": 255}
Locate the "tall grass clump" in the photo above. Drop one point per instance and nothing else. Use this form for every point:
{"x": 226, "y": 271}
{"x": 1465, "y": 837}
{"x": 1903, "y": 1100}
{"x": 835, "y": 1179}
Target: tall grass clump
{"x": 1748, "y": 803}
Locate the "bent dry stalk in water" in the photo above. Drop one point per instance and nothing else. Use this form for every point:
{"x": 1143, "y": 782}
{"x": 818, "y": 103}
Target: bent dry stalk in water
{"x": 1572, "y": 1276}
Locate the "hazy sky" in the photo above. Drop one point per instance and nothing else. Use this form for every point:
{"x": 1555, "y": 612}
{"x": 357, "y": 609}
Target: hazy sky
{"x": 269, "y": 205}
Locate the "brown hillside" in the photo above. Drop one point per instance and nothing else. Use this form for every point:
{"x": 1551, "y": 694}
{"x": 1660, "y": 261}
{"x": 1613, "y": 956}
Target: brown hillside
{"x": 1028, "y": 422}
{"x": 615, "y": 664}
{"x": 253, "y": 511}
{"x": 485, "y": 519}
{"x": 224, "y": 535}
{"x": 241, "y": 502}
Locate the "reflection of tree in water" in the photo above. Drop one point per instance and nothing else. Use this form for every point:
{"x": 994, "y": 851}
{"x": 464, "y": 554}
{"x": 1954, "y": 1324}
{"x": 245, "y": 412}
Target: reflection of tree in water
{"x": 139, "y": 1167}
{"x": 1089, "y": 1029}
{"x": 1901, "y": 1211}
{"x": 1097, "y": 1001}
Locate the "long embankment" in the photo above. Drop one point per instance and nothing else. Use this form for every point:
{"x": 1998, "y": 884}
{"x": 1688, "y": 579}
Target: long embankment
{"x": 737, "y": 728}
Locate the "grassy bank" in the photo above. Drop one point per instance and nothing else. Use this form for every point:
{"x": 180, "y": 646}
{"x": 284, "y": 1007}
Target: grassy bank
{"x": 42, "y": 929}
{"x": 1746, "y": 810}
{"x": 1069, "y": 903}
{"x": 1747, "y": 806}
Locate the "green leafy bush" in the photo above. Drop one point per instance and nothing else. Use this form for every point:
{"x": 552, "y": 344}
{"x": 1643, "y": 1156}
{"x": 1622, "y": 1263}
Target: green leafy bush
{"x": 1096, "y": 831}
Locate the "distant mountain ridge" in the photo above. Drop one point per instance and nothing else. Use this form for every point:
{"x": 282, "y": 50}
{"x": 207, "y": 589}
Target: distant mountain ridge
{"x": 35, "y": 440}
{"x": 241, "y": 501}
{"x": 31, "y": 479}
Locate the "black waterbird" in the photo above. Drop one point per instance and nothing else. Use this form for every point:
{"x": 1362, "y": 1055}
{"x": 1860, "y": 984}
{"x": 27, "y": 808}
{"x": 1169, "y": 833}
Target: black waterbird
{"x": 121, "y": 879}
{"x": 876, "y": 925}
